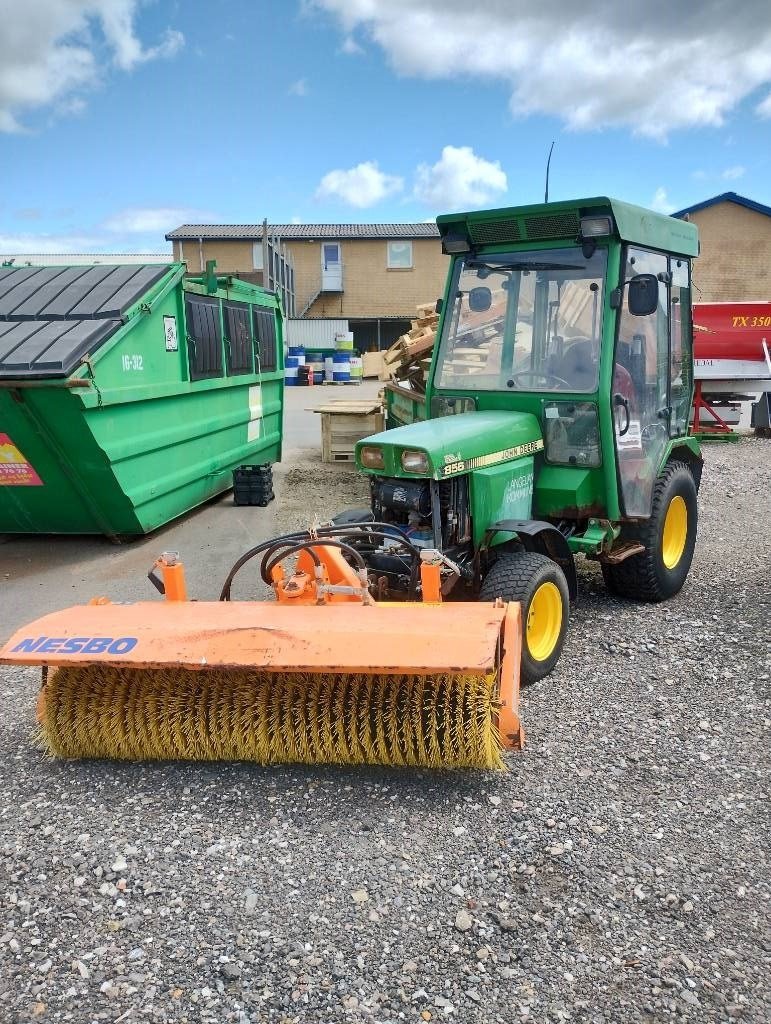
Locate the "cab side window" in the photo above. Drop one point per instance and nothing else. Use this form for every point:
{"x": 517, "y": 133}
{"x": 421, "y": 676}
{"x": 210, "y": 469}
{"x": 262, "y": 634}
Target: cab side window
{"x": 681, "y": 361}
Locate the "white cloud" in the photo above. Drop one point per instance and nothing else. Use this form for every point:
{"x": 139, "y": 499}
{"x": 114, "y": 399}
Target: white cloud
{"x": 299, "y": 88}
{"x": 50, "y": 51}
{"x": 459, "y": 180}
{"x": 764, "y": 107}
{"x": 137, "y": 229}
{"x": 698, "y": 175}
{"x": 361, "y": 186}
{"x": 154, "y": 219}
{"x": 661, "y": 203}
{"x": 732, "y": 173}
{"x": 350, "y": 46}
{"x": 669, "y": 66}
{"x": 48, "y": 243}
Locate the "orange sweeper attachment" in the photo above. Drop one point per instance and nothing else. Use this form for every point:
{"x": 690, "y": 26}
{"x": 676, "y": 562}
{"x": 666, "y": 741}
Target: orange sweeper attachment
{"x": 323, "y": 674}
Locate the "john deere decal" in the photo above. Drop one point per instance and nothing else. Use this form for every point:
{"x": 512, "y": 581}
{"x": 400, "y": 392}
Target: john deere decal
{"x": 15, "y": 471}
{"x": 482, "y": 461}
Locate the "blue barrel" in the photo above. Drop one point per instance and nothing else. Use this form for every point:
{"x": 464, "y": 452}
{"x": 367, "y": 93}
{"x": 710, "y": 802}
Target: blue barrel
{"x": 341, "y": 367}
{"x": 291, "y": 371}
{"x": 318, "y": 376}
{"x": 296, "y": 352}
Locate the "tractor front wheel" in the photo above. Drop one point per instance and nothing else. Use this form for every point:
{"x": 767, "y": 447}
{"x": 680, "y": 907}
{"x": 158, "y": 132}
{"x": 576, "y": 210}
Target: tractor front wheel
{"x": 669, "y": 538}
{"x": 539, "y": 585}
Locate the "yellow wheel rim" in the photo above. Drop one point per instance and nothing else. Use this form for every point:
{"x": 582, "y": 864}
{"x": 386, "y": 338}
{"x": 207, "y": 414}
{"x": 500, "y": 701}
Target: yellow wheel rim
{"x": 675, "y": 532}
{"x": 544, "y": 621}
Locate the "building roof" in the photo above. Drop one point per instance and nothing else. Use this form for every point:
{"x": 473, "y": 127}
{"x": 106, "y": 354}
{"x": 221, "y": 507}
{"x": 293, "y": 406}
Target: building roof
{"x": 70, "y": 259}
{"x": 726, "y": 197}
{"x": 293, "y": 232}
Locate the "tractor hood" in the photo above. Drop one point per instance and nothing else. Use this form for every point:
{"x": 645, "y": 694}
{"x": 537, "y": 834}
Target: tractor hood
{"x": 453, "y": 444}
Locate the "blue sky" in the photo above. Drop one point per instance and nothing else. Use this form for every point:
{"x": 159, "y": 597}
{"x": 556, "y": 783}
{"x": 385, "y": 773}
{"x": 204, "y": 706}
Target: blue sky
{"x": 120, "y": 119}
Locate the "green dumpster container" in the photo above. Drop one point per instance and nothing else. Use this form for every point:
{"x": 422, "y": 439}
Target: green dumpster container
{"x": 129, "y": 394}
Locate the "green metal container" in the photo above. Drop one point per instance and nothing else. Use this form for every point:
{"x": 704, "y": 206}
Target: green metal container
{"x": 129, "y": 394}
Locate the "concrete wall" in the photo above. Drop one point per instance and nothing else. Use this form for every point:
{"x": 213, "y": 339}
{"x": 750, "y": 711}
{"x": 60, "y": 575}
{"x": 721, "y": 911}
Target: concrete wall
{"x": 370, "y": 288}
{"x": 735, "y": 260}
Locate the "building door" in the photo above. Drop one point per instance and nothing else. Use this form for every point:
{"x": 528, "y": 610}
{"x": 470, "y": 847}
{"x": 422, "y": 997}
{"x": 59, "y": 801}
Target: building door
{"x": 331, "y": 267}
{"x": 641, "y": 381}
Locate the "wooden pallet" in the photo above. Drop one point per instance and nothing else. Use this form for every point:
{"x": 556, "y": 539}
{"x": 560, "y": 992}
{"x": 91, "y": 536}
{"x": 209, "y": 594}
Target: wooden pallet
{"x": 406, "y": 359}
{"x": 407, "y": 349}
{"x": 343, "y": 423}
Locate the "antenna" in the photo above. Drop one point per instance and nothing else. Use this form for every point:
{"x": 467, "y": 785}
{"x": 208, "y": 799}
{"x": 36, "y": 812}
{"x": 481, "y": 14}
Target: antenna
{"x": 548, "y": 163}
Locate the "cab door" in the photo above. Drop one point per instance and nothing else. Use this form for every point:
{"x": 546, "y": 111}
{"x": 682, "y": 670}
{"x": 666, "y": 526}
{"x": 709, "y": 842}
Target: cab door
{"x": 640, "y": 390}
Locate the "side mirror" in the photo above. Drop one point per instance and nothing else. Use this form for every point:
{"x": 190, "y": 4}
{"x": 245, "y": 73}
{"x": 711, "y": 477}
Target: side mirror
{"x": 439, "y": 305}
{"x": 480, "y": 299}
{"x": 643, "y": 297}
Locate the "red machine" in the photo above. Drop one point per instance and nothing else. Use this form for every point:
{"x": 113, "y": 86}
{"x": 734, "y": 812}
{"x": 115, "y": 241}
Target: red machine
{"x": 732, "y": 361}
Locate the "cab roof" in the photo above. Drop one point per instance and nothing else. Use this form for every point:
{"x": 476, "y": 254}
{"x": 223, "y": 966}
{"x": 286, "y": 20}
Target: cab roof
{"x": 545, "y": 221}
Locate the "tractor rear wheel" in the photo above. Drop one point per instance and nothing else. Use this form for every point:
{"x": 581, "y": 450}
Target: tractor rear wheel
{"x": 539, "y": 585}
{"x": 669, "y": 539}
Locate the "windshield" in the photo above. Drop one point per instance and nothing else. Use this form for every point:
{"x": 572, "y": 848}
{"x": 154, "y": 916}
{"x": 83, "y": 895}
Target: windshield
{"x": 530, "y": 321}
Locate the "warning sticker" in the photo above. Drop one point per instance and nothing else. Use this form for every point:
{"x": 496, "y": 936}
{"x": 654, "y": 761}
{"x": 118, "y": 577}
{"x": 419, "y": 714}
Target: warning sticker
{"x": 15, "y": 471}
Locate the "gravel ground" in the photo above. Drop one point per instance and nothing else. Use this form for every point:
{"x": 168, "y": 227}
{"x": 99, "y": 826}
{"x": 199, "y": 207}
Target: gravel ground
{"x": 617, "y": 873}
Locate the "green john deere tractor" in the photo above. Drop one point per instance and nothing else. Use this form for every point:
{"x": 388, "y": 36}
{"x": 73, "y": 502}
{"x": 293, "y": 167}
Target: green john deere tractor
{"x": 556, "y": 418}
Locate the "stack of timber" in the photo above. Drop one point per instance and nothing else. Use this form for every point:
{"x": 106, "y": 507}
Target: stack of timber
{"x": 408, "y": 360}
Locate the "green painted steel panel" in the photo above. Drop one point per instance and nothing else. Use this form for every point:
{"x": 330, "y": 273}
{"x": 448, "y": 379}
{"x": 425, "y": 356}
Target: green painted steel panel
{"x": 501, "y": 492}
{"x": 569, "y": 492}
{"x": 456, "y": 444}
{"x": 403, "y": 408}
{"x": 140, "y": 443}
{"x": 557, "y": 221}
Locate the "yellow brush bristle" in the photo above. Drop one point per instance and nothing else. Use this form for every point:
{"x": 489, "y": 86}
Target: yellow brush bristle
{"x": 441, "y": 721}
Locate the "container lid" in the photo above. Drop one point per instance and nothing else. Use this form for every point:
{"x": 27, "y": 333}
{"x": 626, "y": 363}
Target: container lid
{"x": 51, "y": 317}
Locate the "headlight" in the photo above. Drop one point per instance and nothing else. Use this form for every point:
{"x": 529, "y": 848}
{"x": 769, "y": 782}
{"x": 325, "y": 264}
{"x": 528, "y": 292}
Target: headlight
{"x": 414, "y": 462}
{"x": 372, "y": 457}
{"x": 595, "y": 227}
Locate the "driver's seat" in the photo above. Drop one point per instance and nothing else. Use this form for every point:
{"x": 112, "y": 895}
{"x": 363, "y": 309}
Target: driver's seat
{"x": 578, "y": 366}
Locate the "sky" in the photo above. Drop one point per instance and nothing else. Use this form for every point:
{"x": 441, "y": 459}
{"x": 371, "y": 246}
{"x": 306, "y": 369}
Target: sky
{"x": 122, "y": 119}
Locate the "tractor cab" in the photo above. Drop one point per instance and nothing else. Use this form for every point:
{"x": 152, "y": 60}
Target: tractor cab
{"x": 589, "y": 330}
{"x": 556, "y": 416}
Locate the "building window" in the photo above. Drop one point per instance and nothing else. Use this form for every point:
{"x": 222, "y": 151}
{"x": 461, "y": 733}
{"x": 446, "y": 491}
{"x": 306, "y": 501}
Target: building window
{"x": 204, "y": 337}
{"x": 257, "y": 255}
{"x": 400, "y": 255}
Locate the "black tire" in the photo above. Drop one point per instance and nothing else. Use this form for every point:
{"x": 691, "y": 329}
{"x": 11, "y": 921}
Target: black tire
{"x": 646, "y": 577}
{"x": 517, "y": 577}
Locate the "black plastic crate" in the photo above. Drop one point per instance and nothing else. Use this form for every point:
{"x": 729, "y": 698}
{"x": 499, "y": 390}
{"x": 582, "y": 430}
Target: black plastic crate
{"x": 253, "y": 485}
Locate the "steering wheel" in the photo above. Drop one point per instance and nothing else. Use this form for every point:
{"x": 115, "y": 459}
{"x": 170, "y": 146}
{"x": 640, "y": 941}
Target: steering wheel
{"x": 544, "y": 376}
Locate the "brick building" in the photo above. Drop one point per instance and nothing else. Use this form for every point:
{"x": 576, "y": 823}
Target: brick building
{"x": 372, "y": 275}
{"x": 735, "y": 259}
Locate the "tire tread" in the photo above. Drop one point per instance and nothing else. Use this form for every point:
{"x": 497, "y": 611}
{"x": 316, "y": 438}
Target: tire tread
{"x": 511, "y": 578}
{"x": 636, "y": 576}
